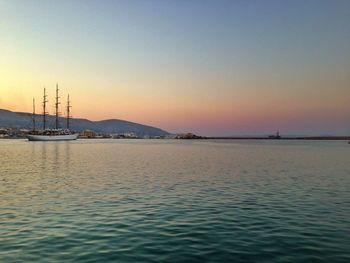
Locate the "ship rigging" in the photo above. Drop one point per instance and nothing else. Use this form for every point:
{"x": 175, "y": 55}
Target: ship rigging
{"x": 56, "y": 134}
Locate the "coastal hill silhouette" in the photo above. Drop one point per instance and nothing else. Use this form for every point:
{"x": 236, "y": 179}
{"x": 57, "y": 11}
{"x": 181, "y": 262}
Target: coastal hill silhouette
{"x": 23, "y": 120}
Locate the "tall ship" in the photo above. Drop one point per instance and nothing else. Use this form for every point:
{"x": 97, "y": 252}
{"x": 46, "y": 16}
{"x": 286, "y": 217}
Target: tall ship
{"x": 56, "y": 134}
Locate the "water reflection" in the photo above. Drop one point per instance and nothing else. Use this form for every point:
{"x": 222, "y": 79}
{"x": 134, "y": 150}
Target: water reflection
{"x": 67, "y": 150}
{"x": 43, "y": 155}
{"x": 52, "y": 155}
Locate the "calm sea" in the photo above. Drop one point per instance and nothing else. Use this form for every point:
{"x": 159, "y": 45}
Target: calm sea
{"x": 174, "y": 201}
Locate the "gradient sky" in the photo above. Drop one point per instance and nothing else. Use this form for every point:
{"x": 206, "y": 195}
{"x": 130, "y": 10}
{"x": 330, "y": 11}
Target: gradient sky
{"x": 210, "y": 67}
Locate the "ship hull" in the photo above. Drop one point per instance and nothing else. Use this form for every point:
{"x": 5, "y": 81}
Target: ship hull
{"x": 65, "y": 137}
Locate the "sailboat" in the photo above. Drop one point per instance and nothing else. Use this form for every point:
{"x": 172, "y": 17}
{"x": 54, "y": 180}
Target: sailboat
{"x": 56, "y": 134}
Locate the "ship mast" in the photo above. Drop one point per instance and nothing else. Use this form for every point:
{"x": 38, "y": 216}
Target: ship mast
{"x": 44, "y": 109}
{"x": 33, "y": 117}
{"x": 56, "y": 104}
{"x": 68, "y": 111}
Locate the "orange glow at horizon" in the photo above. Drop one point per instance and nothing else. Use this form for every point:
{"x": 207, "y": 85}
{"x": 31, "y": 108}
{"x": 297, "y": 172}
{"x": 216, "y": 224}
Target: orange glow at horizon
{"x": 180, "y": 110}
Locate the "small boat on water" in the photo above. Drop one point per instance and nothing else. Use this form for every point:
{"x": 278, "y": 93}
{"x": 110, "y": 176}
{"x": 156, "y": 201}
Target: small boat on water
{"x": 56, "y": 134}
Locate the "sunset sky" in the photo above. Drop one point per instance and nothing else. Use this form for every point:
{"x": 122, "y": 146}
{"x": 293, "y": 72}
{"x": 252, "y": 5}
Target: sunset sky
{"x": 210, "y": 67}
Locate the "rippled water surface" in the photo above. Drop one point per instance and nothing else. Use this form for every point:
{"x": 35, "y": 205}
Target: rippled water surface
{"x": 174, "y": 201}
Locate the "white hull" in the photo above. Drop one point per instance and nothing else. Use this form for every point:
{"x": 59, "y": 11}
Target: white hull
{"x": 65, "y": 137}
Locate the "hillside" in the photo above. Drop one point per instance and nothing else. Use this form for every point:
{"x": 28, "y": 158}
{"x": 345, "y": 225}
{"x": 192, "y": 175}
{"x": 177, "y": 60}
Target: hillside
{"x": 9, "y": 119}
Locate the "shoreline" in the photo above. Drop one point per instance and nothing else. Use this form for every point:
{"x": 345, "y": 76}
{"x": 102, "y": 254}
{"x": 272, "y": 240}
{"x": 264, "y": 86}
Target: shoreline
{"x": 315, "y": 138}
{"x": 319, "y": 138}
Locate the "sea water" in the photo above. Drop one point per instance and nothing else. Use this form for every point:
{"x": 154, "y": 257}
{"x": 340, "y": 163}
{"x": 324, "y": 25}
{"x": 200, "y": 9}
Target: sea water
{"x": 174, "y": 201}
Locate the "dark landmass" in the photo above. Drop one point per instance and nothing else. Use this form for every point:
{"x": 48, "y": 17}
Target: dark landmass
{"x": 188, "y": 136}
{"x": 23, "y": 120}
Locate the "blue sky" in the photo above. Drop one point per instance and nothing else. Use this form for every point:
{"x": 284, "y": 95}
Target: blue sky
{"x": 211, "y": 67}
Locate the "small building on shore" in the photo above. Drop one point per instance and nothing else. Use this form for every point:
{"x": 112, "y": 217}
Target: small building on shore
{"x": 125, "y": 135}
{"x": 88, "y": 134}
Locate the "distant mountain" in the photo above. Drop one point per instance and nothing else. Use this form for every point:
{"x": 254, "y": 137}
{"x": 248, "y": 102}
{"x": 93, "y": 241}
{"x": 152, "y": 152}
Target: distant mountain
{"x": 9, "y": 119}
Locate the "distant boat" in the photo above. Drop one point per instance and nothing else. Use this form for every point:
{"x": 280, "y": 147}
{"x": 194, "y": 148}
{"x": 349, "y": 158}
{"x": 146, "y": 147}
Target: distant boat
{"x": 276, "y": 136}
{"x": 56, "y": 134}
